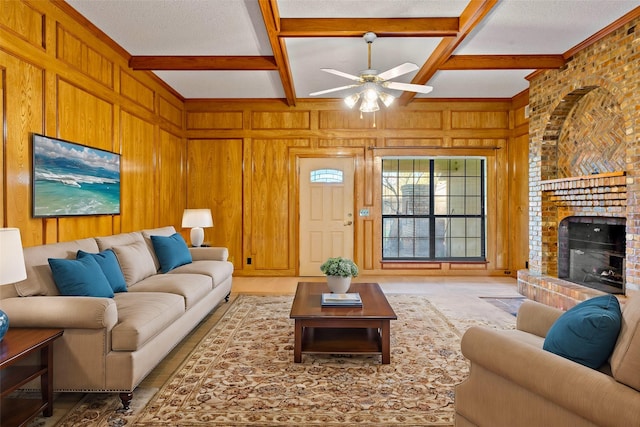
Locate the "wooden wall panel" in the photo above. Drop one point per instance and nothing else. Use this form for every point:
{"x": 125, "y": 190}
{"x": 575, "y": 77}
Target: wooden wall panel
{"x": 478, "y": 142}
{"x": 84, "y": 118}
{"x": 414, "y": 142}
{"x": 214, "y": 181}
{"x": 502, "y": 257}
{"x": 3, "y": 120}
{"x": 171, "y": 192}
{"x": 137, "y": 195}
{"x": 73, "y": 51}
{"x": 415, "y": 120}
{"x": 347, "y": 142}
{"x": 519, "y": 199}
{"x": 136, "y": 91}
{"x": 479, "y": 120}
{"x": 344, "y": 119}
{"x": 24, "y": 90}
{"x": 69, "y": 48}
{"x": 280, "y": 120}
{"x": 24, "y": 21}
{"x": 271, "y": 241}
{"x": 170, "y": 112}
{"x": 215, "y": 120}
{"x": 73, "y": 228}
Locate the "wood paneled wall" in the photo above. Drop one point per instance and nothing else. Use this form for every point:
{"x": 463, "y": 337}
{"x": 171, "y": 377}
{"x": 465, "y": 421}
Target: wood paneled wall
{"x": 258, "y": 145}
{"x": 60, "y": 79}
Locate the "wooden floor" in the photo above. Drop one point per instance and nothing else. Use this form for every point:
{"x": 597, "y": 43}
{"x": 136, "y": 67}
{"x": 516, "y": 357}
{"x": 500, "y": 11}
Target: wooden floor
{"x": 457, "y": 293}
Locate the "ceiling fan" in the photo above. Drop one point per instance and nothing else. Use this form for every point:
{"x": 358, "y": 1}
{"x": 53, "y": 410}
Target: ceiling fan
{"x": 372, "y": 83}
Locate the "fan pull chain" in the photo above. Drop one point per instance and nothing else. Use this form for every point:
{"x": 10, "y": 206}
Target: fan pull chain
{"x": 374, "y": 118}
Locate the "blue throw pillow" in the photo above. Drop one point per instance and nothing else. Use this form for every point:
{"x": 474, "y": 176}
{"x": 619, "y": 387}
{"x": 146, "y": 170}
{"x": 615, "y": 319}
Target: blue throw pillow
{"x": 80, "y": 277}
{"x": 587, "y": 332}
{"x": 171, "y": 251}
{"x": 109, "y": 264}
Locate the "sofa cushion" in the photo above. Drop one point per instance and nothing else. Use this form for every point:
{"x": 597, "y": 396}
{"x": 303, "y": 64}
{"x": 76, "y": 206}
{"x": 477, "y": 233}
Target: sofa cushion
{"x": 80, "y": 277}
{"x": 625, "y": 359}
{"x": 192, "y": 287}
{"x": 171, "y": 251}
{"x": 587, "y": 332}
{"x": 107, "y": 242}
{"x": 39, "y": 279}
{"x": 109, "y": 264}
{"x": 162, "y": 231}
{"x": 142, "y": 316}
{"x": 135, "y": 261}
{"x": 219, "y": 271}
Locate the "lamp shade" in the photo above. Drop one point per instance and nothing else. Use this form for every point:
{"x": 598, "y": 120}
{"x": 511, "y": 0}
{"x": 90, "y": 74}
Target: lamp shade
{"x": 12, "y": 268}
{"x": 197, "y": 218}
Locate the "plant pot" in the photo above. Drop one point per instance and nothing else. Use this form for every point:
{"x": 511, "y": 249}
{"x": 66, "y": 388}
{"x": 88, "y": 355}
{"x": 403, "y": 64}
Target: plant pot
{"x": 338, "y": 284}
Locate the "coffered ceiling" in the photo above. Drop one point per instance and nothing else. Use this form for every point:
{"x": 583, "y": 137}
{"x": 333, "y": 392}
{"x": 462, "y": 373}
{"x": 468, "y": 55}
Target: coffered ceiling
{"x": 275, "y": 48}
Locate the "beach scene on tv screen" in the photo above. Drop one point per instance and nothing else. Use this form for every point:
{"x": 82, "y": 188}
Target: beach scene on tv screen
{"x": 72, "y": 179}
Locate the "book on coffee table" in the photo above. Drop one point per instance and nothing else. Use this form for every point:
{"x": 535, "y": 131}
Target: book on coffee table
{"x": 341, "y": 300}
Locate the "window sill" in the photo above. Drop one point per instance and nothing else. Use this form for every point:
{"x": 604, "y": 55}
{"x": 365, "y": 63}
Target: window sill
{"x": 433, "y": 265}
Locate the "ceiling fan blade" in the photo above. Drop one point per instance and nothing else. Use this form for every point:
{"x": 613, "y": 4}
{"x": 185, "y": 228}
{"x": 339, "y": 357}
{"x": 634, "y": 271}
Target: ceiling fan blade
{"x": 335, "y": 89}
{"x": 341, "y": 74}
{"x": 401, "y": 69}
{"x": 408, "y": 87}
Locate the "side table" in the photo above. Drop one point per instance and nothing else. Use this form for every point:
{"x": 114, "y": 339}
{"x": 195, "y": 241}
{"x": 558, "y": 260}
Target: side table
{"x": 17, "y": 344}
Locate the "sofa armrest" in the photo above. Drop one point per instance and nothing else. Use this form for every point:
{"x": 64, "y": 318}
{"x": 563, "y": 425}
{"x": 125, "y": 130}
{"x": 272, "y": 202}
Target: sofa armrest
{"x": 594, "y": 395}
{"x": 209, "y": 253}
{"x": 536, "y": 318}
{"x": 61, "y": 312}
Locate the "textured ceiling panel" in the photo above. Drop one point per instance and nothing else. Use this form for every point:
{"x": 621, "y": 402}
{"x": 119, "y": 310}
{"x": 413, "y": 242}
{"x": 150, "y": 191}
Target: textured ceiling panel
{"x": 233, "y": 28}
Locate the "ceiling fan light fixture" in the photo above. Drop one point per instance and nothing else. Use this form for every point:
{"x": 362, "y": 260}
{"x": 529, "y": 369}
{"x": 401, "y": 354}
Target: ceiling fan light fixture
{"x": 352, "y": 100}
{"x": 386, "y": 99}
{"x": 369, "y": 106}
{"x": 370, "y": 93}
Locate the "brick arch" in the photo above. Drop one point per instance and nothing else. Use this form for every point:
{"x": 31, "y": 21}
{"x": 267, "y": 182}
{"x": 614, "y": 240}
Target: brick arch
{"x": 549, "y": 164}
{"x": 552, "y": 131}
{"x": 566, "y": 102}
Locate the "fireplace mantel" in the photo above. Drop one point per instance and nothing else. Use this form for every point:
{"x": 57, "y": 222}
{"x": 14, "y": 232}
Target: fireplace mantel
{"x": 603, "y": 189}
{"x": 585, "y": 181}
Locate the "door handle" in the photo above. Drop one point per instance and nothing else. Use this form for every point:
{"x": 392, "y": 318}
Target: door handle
{"x": 347, "y": 223}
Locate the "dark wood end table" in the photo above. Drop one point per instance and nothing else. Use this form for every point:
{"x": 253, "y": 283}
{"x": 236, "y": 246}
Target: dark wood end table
{"x": 342, "y": 330}
{"x": 17, "y": 344}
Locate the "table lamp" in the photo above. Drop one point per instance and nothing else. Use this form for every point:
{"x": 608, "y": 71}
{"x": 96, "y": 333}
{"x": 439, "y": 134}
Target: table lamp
{"x": 12, "y": 268}
{"x": 196, "y": 219}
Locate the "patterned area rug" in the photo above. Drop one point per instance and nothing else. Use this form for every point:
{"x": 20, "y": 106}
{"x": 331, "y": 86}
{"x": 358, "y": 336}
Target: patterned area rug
{"x": 242, "y": 374}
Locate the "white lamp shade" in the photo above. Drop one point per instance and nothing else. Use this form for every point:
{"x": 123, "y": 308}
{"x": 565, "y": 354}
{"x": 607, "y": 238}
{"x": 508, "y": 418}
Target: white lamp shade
{"x": 197, "y": 218}
{"x": 12, "y": 268}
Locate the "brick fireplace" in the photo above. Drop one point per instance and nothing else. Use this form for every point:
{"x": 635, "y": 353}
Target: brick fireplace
{"x": 584, "y": 162}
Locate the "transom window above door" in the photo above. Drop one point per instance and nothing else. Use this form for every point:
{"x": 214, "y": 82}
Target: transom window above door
{"x": 433, "y": 209}
{"x": 327, "y": 176}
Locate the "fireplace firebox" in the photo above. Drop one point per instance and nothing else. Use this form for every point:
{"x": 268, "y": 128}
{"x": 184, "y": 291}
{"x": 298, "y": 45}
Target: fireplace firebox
{"x": 591, "y": 252}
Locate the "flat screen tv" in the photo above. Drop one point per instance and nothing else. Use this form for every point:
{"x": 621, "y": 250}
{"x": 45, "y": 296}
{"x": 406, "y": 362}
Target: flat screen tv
{"x": 70, "y": 179}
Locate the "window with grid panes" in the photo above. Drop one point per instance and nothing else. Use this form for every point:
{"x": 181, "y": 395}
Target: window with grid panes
{"x": 433, "y": 209}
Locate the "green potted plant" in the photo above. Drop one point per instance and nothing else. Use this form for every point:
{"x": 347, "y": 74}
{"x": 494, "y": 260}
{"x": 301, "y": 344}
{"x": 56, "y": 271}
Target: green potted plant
{"x": 339, "y": 272}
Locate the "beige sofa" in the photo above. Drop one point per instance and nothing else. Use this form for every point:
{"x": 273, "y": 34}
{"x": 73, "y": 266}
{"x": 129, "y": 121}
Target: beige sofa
{"x": 514, "y": 382}
{"x": 111, "y": 344}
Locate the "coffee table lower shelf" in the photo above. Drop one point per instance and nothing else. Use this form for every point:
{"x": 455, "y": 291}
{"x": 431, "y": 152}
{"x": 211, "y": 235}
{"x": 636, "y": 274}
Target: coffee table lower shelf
{"x": 341, "y": 341}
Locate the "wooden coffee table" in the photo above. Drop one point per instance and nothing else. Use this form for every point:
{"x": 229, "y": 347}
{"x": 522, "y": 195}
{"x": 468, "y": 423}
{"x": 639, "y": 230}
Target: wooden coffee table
{"x": 341, "y": 330}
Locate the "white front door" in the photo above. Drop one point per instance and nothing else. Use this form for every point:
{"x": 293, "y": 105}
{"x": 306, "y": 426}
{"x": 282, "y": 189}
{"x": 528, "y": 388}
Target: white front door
{"x": 326, "y": 212}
